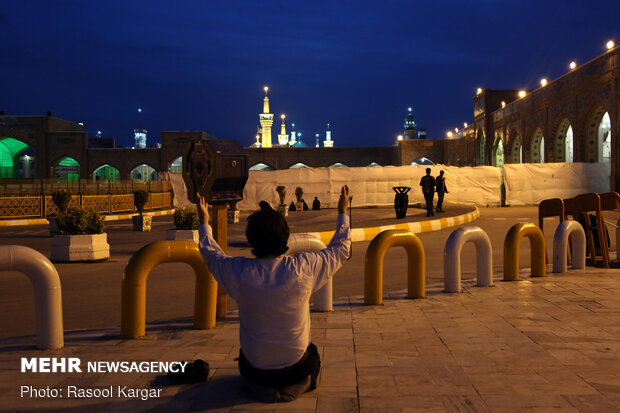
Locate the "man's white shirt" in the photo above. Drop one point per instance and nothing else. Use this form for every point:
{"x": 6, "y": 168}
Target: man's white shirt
{"x": 273, "y": 294}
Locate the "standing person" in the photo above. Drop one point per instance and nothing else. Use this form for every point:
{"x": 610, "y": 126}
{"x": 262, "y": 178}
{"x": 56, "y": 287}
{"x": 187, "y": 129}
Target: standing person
{"x": 428, "y": 189}
{"x": 441, "y": 190}
{"x": 277, "y": 359}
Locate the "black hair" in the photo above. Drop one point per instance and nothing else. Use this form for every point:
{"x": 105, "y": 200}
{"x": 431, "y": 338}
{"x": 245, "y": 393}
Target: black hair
{"x": 428, "y": 170}
{"x": 264, "y": 205}
{"x": 267, "y": 232}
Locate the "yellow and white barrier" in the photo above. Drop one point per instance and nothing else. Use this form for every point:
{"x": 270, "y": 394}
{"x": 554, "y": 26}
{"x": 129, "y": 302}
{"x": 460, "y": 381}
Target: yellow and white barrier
{"x": 47, "y": 291}
{"x": 373, "y": 265}
{"x": 560, "y": 246}
{"x": 133, "y": 302}
{"x": 452, "y": 257}
{"x": 511, "y": 250}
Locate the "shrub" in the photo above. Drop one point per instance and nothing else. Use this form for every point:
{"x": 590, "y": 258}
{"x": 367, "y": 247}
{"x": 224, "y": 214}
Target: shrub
{"x": 61, "y": 198}
{"x": 299, "y": 193}
{"x": 140, "y": 198}
{"x": 94, "y": 223}
{"x": 282, "y": 193}
{"x": 186, "y": 218}
{"x": 77, "y": 221}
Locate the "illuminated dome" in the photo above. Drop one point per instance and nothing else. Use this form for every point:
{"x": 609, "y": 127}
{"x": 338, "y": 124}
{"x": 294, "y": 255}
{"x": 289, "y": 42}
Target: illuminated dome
{"x": 299, "y": 144}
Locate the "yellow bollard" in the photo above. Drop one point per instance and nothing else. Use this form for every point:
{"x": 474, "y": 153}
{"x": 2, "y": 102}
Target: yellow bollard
{"x": 511, "y": 251}
{"x": 373, "y": 266}
{"x": 133, "y": 302}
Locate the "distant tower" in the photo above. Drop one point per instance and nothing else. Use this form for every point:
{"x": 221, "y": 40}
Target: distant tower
{"x": 293, "y": 140}
{"x": 140, "y": 137}
{"x": 410, "y": 127}
{"x": 266, "y": 120}
{"x": 317, "y": 141}
{"x": 283, "y": 137}
{"x": 328, "y": 142}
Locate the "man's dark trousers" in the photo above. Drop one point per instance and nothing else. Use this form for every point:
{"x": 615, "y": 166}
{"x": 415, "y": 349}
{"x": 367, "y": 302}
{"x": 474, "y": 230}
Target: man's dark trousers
{"x": 440, "y": 200}
{"x": 429, "y": 203}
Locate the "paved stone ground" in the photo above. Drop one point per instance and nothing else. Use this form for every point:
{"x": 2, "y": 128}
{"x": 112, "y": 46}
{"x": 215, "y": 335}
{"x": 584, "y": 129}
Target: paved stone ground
{"x": 540, "y": 344}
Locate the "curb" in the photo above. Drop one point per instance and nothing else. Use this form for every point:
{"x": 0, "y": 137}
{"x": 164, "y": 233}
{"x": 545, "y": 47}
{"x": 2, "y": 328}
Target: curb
{"x": 43, "y": 221}
{"x": 367, "y": 234}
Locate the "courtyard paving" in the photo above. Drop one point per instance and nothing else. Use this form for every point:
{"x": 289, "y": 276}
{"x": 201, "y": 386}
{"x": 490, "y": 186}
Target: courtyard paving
{"x": 539, "y": 344}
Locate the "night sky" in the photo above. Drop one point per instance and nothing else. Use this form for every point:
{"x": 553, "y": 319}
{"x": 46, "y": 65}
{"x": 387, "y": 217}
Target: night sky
{"x": 201, "y": 65}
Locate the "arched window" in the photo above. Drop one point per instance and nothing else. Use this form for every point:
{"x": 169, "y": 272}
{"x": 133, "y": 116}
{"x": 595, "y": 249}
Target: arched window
{"x": 143, "y": 172}
{"x": 176, "y": 166}
{"x": 299, "y": 165}
{"x": 67, "y": 168}
{"x": 338, "y": 165}
{"x": 16, "y": 159}
{"x": 604, "y": 139}
{"x": 598, "y": 136}
{"x": 373, "y": 164}
{"x": 498, "y": 152}
{"x": 106, "y": 173}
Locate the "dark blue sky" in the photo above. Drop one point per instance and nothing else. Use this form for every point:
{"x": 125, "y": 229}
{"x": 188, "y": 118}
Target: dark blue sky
{"x": 201, "y": 65}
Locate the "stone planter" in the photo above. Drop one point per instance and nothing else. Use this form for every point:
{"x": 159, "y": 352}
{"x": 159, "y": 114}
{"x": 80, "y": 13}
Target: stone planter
{"x": 299, "y": 206}
{"x": 232, "y": 216}
{"x": 142, "y": 222}
{"x": 182, "y": 235}
{"x": 283, "y": 209}
{"x": 72, "y": 248}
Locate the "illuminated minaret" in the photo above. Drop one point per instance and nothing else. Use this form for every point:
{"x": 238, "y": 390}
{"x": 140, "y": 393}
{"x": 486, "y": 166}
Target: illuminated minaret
{"x": 410, "y": 127}
{"x": 140, "y": 138}
{"x": 328, "y": 142}
{"x": 293, "y": 140}
{"x": 317, "y": 141}
{"x": 266, "y": 120}
{"x": 283, "y": 137}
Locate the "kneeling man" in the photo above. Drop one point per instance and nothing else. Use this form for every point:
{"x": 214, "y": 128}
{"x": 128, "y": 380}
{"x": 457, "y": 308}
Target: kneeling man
{"x": 273, "y": 291}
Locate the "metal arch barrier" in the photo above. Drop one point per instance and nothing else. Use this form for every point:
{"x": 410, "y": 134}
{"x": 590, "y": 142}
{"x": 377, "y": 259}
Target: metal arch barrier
{"x": 560, "y": 246}
{"x": 511, "y": 251}
{"x": 373, "y": 265}
{"x": 133, "y": 303}
{"x": 452, "y": 257}
{"x": 323, "y": 298}
{"x": 47, "y": 291}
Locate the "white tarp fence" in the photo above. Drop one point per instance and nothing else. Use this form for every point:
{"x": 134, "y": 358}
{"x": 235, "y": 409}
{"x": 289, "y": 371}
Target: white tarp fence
{"x": 371, "y": 185}
{"x": 526, "y": 184}
{"x": 530, "y": 183}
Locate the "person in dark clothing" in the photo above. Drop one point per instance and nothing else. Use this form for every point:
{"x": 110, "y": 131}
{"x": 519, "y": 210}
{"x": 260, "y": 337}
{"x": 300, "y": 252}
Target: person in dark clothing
{"x": 303, "y": 201}
{"x": 316, "y": 204}
{"x": 292, "y": 207}
{"x": 428, "y": 189}
{"x": 441, "y": 190}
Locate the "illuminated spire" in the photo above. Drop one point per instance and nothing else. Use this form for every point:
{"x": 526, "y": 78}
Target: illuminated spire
{"x": 266, "y": 120}
{"x": 293, "y": 140}
{"x": 266, "y": 100}
{"x": 283, "y": 137}
{"x": 328, "y": 142}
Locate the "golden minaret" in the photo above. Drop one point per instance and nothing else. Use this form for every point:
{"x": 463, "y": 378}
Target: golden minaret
{"x": 266, "y": 120}
{"x": 283, "y": 137}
